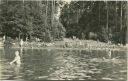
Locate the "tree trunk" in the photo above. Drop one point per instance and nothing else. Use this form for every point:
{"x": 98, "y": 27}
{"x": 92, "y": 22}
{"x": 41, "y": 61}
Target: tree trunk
{"x": 116, "y": 15}
{"x": 46, "y": 13}
{"x": 99, "y": 14}
{"x": 127, "y": 25}
{"x": 127, "y": 37}
{"x": 107, "y": 21}
{"x": 121, "y": 24}
{"x": 19, "y": 36}
{"x": 107, "y": 15}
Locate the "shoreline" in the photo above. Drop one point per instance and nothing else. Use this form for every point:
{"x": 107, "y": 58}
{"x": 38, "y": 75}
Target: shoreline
{"x": 69, "y": 44}
{"x": 60, "y": 48}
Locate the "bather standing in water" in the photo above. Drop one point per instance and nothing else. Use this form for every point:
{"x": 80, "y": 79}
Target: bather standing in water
{"x": 21, "y": 42}
{"x": 3, "y": 38}
{"x": 17, "y": 64}
{"x": 109, "y": 54}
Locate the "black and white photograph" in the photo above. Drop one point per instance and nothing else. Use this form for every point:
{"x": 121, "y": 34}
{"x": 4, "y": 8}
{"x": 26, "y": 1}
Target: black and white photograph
{"x": 64, "y": 40}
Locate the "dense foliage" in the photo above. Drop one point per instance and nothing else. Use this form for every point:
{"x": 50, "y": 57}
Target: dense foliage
{"x": 32, "y": 19}
{"x": 99, "y": 20}
{"x": 105, "y": 21}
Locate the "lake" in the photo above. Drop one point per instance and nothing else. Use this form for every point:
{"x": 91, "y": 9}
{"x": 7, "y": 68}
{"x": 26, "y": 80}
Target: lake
{"x": 61, "y": 64}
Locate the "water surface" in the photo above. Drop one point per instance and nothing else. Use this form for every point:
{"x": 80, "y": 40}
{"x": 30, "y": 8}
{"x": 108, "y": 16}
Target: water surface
{"x": 58, "y": 64}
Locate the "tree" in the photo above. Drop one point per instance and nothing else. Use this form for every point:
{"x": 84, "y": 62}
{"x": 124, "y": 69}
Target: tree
{"x": 30, "y": 19}
{"x": 104, "y": 18}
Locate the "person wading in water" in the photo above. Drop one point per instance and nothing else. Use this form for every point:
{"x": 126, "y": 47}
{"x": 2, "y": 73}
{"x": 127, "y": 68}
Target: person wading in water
{"x": 16, "y": 64}
{"x": 21, "y": 42}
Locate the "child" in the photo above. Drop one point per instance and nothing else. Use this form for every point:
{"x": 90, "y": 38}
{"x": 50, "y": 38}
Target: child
{"x": 16, "y": 59}
{"x": 16, "y": 67}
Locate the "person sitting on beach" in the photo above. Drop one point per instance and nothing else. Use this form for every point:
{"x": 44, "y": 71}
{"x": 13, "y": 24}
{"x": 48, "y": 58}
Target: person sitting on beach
{"x": 16, "y": 59}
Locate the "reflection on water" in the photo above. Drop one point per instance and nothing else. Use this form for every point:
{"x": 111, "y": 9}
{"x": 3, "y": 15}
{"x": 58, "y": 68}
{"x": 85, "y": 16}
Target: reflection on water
{"x": 16, "y": 72}
{"x": 40, "y": 64}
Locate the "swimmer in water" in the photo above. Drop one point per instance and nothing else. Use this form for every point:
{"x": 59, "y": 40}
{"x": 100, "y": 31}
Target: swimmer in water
{"x": 16, "y": 59}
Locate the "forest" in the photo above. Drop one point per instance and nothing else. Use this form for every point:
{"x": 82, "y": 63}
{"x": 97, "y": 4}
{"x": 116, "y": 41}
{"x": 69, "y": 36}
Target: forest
{"x": 54, "y": 20}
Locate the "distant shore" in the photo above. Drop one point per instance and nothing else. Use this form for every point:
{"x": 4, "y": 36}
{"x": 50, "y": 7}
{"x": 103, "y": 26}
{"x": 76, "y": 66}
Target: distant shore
{"x": 69, "y": 44}
{"x": 57, "y": 48}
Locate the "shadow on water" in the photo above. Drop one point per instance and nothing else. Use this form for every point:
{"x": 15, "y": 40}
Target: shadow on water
{"x": 43, "y": 64}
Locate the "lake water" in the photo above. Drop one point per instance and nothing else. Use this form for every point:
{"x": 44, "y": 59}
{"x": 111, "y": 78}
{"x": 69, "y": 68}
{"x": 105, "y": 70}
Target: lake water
{"x": 60, "y": 64}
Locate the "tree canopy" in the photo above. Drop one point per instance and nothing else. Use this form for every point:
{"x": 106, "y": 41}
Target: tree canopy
{"x": 98, "y": 20}
{"x": 30, "y": 19}
{"x": 106, "y": 19}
